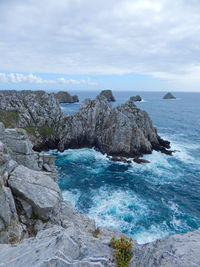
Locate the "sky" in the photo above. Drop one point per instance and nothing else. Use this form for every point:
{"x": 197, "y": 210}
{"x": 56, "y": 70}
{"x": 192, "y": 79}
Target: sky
{"x": 147, "y": 45}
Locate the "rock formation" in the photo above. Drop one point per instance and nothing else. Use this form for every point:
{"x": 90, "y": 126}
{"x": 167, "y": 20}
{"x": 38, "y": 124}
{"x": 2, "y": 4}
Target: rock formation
{"x": 135, "y": 98}
{"x": 123, "y": 131}
{"x": 108, "y": 95}
{"x": 38, "y": 228}
{"x": 65, "y": 97}
{"x": 169, "y": 96}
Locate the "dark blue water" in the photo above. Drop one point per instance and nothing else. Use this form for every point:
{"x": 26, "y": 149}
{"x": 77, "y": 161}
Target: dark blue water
{"x": 145, "y": 201}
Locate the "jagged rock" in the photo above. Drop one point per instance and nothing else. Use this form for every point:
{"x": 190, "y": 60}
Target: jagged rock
{"x": 10, "y": 229}
{"x": 29, "y": 109}
{"x": 178, "y": 250}
{"x": 65, "y": 97}
{"x": 38, "y": 189}
{"x": 121, "y": 131}
{"x": 135, "y": 98}
{"x": 169, "y": 96}
{"x": 108, "y": 95}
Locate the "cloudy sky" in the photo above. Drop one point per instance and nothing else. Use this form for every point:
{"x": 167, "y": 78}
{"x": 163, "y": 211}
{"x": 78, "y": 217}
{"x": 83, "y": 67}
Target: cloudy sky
{"x": 99, "y": 44}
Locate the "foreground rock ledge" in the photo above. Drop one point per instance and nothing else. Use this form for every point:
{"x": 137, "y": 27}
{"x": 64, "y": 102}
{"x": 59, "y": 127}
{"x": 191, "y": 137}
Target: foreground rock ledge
{"x": 38, "y": 228}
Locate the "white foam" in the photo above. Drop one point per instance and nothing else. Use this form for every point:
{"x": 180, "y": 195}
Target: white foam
{"x": 155, "y": 232}
{"x": 71, "y": 196}
{"x": 111, "y": 207}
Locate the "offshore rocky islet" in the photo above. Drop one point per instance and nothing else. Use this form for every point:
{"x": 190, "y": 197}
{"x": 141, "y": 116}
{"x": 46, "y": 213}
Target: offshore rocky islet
{"x": 65, "y": 237}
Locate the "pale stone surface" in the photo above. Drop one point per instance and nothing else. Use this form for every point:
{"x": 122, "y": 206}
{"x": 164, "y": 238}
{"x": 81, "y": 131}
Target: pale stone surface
{"x": 178, "y": 250}
{"x": 56, "y": 247}
{"x": 36, "y": 188}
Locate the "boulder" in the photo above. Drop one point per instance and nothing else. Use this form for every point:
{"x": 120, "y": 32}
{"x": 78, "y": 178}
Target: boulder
{"x": 169, "y": 96}
{"x": 38, "y": 189}
{"x": 108, "y": 95}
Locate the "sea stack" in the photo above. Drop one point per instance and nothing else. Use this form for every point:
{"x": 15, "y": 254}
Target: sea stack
{"x": 169, "y": 96}
{"x": 135, "y": 98}
{"x": 65, "y": 97}
{"x": 108, "y": 95}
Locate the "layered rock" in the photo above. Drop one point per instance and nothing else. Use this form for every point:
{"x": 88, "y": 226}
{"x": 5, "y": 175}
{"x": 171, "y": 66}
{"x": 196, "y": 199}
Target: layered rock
{"x": 169, "y": 96}
{"x": 65, "y": 97}
{"x": 108, "y": 95}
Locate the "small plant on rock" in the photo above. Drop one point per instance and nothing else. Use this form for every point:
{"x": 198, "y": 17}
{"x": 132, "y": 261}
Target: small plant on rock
{"x": 122, "y": 248}
{"x": 96, "y": 232}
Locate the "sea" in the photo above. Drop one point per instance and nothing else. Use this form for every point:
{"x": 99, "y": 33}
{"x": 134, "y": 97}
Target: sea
{"x": 144, "y": 201}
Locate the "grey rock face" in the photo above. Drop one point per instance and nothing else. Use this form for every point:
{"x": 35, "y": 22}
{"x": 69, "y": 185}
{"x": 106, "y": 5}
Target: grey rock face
{"x": 65, "y": 97}
{"x": 178, "y": 250}
{"x": 121, "y": 131}
{"x": 37, "y": 189}
{"x": 10, "y": 230}
{"x": 169, "y": 96}
{"x": 33, "y": 108}
{"x": 56, "y": 247}
{"x": 108, "y": 95}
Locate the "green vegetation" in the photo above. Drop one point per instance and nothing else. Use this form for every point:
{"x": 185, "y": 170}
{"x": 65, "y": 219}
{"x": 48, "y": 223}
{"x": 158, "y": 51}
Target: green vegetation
{"x": 9, "y": 118}
{"x": 96, "y": 232}
{"x": 44, "y": 130}
{"x": 33, "y": 216}
{"x": 122, "y": 248}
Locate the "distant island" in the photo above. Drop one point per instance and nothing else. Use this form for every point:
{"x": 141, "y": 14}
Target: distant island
{"x": 169, "y": 96}
{"x": 65, "y": 97}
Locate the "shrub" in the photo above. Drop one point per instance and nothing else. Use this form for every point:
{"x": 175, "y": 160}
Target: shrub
{"x": 96, "y": 233}
{"x": 122, "y": 248}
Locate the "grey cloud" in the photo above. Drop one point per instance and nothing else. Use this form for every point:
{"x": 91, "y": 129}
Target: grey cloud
{"x": 160, "y": 38}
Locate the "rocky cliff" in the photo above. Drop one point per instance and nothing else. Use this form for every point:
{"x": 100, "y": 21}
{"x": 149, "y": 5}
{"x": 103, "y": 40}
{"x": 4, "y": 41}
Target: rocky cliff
{"x": 38, "y": 228}
{"x": 65, "y": 97}
{"x": 123, "y": 131}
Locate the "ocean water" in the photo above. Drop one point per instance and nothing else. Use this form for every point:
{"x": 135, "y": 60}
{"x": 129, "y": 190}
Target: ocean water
{"x": 146, "y": 201}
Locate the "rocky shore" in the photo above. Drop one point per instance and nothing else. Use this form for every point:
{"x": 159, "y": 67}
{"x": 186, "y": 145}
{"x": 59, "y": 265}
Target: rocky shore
{"x": 121, "y": 132}
{"x": 38, "y": 228}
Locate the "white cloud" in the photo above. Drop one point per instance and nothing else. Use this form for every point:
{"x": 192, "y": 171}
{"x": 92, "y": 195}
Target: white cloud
{"x": 33, "y": 79}
{"x": 160, "y": 38}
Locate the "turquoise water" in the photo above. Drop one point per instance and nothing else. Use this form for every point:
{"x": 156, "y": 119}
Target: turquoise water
{"x": 145, "y": 201}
